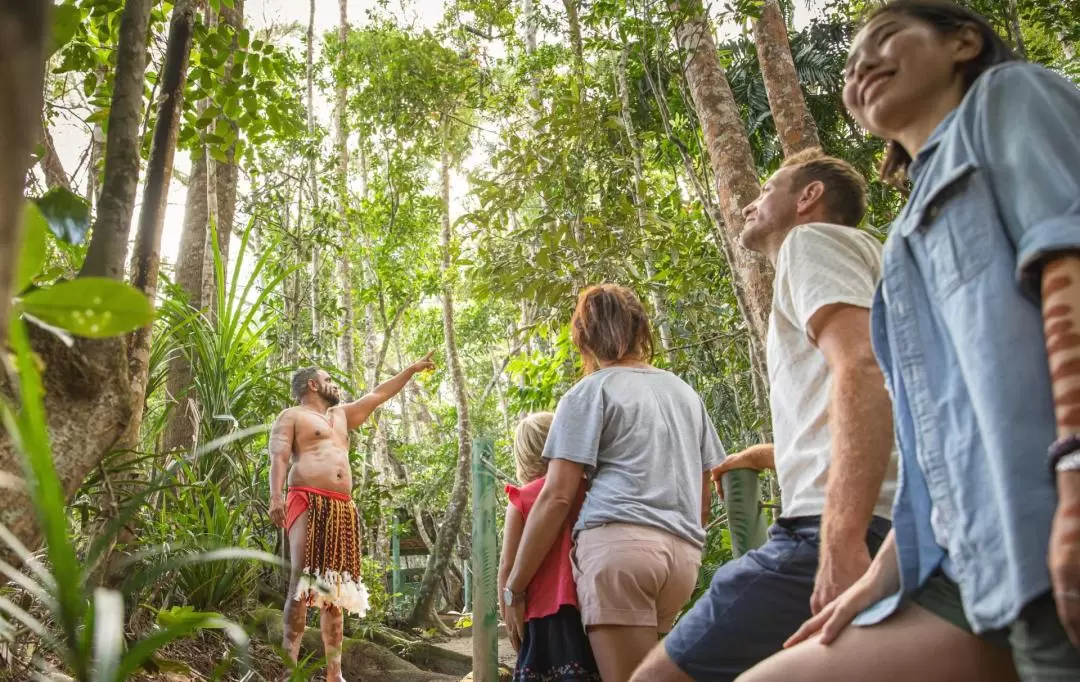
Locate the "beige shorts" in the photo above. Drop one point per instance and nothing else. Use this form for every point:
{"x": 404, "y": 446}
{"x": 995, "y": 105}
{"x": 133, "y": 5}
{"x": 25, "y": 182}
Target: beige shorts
{"x": 633, "y": 575}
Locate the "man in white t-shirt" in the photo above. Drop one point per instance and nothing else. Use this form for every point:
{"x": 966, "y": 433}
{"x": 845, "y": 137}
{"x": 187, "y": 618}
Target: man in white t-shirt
{"x": 832, "y": 423}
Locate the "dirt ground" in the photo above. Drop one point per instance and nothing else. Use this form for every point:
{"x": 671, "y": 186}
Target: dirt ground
{"x": 463, "y": 645}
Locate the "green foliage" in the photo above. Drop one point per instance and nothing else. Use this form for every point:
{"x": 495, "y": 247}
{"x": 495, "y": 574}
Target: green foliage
{"x": 87, "y": 623}
{"x": 68, "y": 215}
{"x": 32, "y": 256}
{"x": 95, "y": 307}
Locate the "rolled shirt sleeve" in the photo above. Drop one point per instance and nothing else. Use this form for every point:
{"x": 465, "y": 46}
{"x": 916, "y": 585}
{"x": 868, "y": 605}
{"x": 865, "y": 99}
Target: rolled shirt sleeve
{"x": 1025, "y": 124}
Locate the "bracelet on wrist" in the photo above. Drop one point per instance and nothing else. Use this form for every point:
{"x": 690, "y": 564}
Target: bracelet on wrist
{"x": 1070, "y": 462}
{"x": 1061, "y": 448}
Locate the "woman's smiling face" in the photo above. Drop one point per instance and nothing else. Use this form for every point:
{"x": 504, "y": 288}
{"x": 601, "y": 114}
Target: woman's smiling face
{"x": 900, "y": 68}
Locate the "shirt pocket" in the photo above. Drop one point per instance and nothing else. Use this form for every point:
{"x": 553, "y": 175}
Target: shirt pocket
{"x": 952, "y": 230}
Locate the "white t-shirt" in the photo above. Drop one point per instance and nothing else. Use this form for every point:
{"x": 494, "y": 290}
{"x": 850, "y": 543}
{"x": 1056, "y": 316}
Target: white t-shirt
{"x": 818, "y": 265}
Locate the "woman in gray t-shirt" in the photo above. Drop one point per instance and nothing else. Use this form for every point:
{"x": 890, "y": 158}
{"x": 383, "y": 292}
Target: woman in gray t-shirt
{"x": 645, "y": 441}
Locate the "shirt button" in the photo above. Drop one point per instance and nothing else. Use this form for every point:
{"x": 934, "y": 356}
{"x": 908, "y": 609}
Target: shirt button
{"x": 933, "y": 212}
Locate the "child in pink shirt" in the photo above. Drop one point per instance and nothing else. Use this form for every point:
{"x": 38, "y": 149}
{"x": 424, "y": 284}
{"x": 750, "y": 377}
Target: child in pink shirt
{"x": 555, "y": 647}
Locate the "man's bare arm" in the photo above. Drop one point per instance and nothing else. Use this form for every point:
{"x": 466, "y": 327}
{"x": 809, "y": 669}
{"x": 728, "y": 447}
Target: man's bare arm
{"x": 357, "y": 412}
{"x": 281, "y": 449}
{"x": 860, "y": 425}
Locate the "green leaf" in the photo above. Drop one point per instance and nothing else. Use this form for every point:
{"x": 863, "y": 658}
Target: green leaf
{"x": 89, "y": 84}
{"x": 67, "y": 213}
{"x": 32, "y": 256}
{"x": 95, "y": 307}
{"x": 66, "y": 20}
{"x": 99, "y": 116}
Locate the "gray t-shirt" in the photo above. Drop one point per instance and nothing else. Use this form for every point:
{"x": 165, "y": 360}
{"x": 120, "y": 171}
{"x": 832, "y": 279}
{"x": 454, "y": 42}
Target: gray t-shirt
{"x": 645, "y": 440}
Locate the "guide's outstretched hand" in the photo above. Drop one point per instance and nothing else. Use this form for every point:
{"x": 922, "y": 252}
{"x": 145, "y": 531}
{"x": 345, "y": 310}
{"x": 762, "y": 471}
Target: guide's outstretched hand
{"x": 425, "y": 364}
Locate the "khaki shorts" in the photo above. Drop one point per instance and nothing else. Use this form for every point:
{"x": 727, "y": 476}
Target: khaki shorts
{"x": 633, "y": 575}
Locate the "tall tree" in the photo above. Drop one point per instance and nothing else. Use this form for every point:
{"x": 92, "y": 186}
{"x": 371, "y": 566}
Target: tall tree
{"x": 181, "y": 424}
{"x": 108, "y": 244}
{"x": 229, "y": 170}
{"x": 146, "y": 256}
{"x": 312, "y": 178}
{"x": 794, "y": 125}
{"x": 732, "y": 163}
{"x": 345, "y": 338}
{"x": 24, "y": 32}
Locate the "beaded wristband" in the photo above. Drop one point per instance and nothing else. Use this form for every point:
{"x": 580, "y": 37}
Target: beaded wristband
{"x": 1066, "y": 445}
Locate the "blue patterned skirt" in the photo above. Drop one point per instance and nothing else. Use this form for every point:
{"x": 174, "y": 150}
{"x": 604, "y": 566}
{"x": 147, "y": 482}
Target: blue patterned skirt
{"x": 556, "y": 649}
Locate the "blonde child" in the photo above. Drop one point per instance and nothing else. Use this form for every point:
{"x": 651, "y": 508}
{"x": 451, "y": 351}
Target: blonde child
{"x": 553, "y": 646}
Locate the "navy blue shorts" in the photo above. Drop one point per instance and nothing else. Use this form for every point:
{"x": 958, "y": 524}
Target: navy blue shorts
{"x": 754, "y": 603}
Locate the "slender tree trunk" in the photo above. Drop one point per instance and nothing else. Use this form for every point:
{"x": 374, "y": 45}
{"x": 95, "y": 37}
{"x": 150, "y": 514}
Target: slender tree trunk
{"x": 146, "y": 259}
{"x": 181, "y": 425}
{"x": 312, "y": 179}
{"x": 24, "y": 31}
{"x": 1013, "y": 14}
{"x": 459, "y": 496}
{"x": 97, "y": 152}
{"x": 528, "y": 16}
{"x": 55, "y": 175}
{"x": 574, "y": 22}
{"x": 108, "y": 243}
{"x": 346, "y": 357}
{"x": 1067, "y": 46}
{"x": 732, "y": 163}
{"x": 794, "y": 125}
{"x": 638, "y": 193}
{"x": 221, "y": 186}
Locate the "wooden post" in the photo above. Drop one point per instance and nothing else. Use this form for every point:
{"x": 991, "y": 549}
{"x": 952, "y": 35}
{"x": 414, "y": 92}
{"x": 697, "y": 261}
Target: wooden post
{"x": 467, "y": 572}
{"x": 747, "y": 520}
{"x": 395, "y": 553}
{"x": 484, "y": 564}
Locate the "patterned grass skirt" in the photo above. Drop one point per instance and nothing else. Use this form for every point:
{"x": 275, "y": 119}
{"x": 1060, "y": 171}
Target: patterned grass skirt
{"x": 331, "y": 576}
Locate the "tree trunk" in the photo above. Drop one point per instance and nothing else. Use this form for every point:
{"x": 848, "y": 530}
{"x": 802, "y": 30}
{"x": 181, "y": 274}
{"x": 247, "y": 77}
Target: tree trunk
{"x": 1013, "y": 13}
{"x": 24, "y": 32}
{"x": 312, "y": 179}
{"x": 225, "y": 174}
{"x": 794, "y": 125}
{"x": 638, "y": 193}
{"x": 108, "y": 242}
{"x": 732, "y": 162}
{"x": 181, "y": 424}
{"x": 97, "y": 152}
{"x": 459, "y": 496}
{"x": 55, "y": 175}
{"x": 146, "y": 259}
{"x": 574, "y": 22}
{"x": 346, "y": 358}
{"x": 87, "y": 395}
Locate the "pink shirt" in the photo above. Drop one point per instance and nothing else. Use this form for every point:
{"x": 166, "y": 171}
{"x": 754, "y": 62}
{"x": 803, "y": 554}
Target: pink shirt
{"x": 553, "y": 585}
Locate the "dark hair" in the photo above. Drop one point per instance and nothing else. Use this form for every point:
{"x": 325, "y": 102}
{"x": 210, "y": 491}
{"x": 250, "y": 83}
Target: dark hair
{"x": 845, "y": 195}
{"x": 610, "y": 324}
{"x": 946, "y": 18}
{"x": 300, "y": 380}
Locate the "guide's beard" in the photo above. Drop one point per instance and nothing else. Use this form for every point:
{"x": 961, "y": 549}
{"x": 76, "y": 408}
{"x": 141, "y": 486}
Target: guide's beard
{"x": 332, "y": 398}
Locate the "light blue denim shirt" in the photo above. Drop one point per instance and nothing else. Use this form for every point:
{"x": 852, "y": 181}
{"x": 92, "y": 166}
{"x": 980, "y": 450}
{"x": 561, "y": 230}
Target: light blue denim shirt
{"x": 957, "y": 329}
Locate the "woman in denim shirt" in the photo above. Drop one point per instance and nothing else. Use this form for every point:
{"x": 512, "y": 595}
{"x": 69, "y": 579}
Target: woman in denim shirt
{"x": 977, "y": 327}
